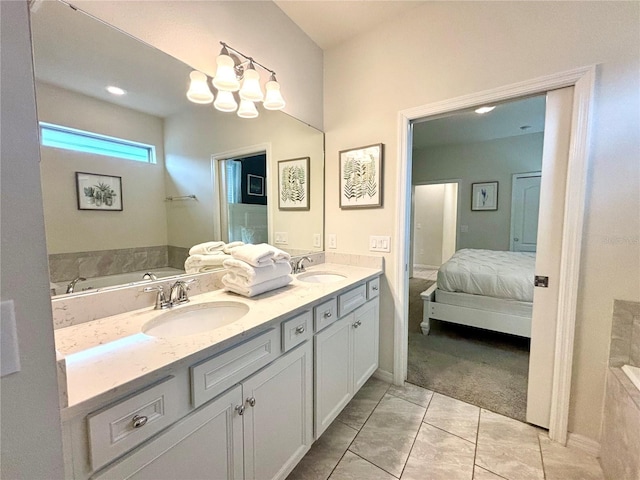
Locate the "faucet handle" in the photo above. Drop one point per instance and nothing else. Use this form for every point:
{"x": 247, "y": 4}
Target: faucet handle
{"x": 161, "y": 299}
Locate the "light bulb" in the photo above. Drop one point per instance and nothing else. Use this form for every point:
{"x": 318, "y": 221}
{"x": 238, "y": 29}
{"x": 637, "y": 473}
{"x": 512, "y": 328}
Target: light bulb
{"x": 198, "y": 89}
{"x": 225, "y": 102}
{"x": 225, "y": 78}
{"x": 251, "y": 86}
{"x": 247, "y": 109}
{"x": 482, "y": 110}
{"x": 273, "y": 99}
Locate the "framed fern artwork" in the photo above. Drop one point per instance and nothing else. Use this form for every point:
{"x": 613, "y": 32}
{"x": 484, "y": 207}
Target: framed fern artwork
{"x": 293, "y": 184}
{"x": 361, "y": 177}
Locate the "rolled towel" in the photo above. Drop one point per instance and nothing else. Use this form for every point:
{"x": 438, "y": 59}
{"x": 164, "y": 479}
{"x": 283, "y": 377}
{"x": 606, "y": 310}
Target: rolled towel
{"x": 248, "y": 275}
{"x": 230, "y": 246}
{"x": 260, "y": 255}
{"x": 195, "y": 263}
{"x": 206, "y": 248}
{"x": 258, "y": 288}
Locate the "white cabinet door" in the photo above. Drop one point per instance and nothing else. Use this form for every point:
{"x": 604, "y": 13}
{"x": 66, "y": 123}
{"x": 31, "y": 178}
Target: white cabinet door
{"x": 206, "y": 444}
{"x": 365, "y": 342}
{"x": 278, "y": 416}
{"x": 333, "y": 372}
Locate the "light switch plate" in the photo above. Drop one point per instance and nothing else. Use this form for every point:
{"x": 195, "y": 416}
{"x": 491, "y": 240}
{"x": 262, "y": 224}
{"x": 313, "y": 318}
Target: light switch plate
{"x": 9, "y": 353}
{"x": 380, "y": 243}
{"x": 333, "y": 240}
{"x": 464, "y": 228}
{"x": 282, "y": 238}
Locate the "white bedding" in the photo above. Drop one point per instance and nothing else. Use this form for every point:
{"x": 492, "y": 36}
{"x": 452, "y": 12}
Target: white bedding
{"x": 489, "y": 272}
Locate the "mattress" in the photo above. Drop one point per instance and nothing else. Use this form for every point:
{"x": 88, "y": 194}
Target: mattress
{"x": 490, "y": 304}
{"x": 489, "y": 272}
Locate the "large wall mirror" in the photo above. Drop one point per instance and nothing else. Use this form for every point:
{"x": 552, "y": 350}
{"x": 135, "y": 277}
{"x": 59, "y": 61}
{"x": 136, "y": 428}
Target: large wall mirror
{"x": 209, "y": 175}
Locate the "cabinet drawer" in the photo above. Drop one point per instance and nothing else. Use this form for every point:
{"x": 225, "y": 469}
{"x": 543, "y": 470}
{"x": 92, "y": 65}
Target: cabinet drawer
{"x": 296, "y": 330}
{"x": 325, "y": 314}
{"x": 373, "y": 288}
{"x": 120, "y": 427}
{"x": 349, "y": 301}
{"x": 216, "y": 374}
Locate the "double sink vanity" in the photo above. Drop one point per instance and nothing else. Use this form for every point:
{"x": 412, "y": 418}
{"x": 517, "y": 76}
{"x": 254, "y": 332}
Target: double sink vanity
{"x": 220, "y": 387}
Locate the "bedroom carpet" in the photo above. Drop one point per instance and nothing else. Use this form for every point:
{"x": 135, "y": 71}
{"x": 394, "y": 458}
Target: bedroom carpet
{"x": 487, "y": 369}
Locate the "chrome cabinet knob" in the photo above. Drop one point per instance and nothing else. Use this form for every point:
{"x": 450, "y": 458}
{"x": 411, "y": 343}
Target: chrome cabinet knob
{"x": 357, "y": 324}
{"x": 300, "y": 329}
{"x": 251, "y": 401}
{"x": 374, "y": 288}
{"x": 327, "y": 314}
{"x": 139, "y": 421}
{"x": 240, "y": 409}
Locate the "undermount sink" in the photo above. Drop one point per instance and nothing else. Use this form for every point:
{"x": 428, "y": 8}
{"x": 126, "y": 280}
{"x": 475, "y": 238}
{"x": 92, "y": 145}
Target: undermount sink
{"x": 192, "y": 319}
{"x": 321, "y": 277}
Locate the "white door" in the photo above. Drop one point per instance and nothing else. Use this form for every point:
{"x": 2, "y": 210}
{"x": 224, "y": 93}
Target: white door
{"x": 525, "y": 202}
{"x": 555, "y": 156}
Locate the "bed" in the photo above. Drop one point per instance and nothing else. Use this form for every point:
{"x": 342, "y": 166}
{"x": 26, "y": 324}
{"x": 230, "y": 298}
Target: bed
{"x": 483, "y": 288}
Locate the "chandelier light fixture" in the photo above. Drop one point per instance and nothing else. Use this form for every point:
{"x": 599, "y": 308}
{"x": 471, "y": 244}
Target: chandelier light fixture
{"x": 236, "y": 76}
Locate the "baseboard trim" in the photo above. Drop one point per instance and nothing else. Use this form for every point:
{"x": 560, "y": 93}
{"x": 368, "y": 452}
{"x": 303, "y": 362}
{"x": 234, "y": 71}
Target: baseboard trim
{"x": 583, "y": 443}
{"x": 383, "y": 375}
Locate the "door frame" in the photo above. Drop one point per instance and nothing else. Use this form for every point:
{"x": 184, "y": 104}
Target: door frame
{"x": 514, "y": 177}
{"x": 216, "y": 181}
{"x": 583, "y": 81}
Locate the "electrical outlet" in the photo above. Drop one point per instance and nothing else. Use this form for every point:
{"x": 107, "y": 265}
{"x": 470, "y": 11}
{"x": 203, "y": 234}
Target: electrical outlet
{"x": 317, "y": 240}
{"x": 333, "y": 240}
{"x": 464, "y": 228}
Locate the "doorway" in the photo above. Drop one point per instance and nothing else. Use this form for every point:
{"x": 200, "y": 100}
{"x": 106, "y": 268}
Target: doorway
{"x": 572, "y": 214}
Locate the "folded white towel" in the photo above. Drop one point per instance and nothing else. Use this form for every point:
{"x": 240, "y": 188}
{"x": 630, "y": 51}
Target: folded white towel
{"x": 204, "y": 263}
{"x": 248, "y": 275}
{"x": 230, "y": 246}
{"x": 206, "y": 248}
{"x": 258, "y": 288}
{"x": 260, "y": 255}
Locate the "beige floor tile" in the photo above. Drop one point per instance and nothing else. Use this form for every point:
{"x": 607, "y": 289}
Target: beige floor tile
{"x": 387, "y": 437}
{"x": 508, "y": 447}
{"x": 325, "y": 453}
{"x": 412, "y": 393}
{"x": 438, "y": 455}
{"x": 352, "y": 467}
{"x": 562, "y": 463}
{"x": 480, "y": 473}
{"x": 453, "y": 416}
{"x": 363, "y": 403}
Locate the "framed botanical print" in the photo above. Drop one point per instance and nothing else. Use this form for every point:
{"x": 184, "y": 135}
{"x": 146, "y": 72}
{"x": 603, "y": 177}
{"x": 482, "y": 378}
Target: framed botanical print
{"x": 293, "y": 184}
{"x": 99, "y": 192}
{"x": 484, "y": 196}
{"x": 361, "y": 177}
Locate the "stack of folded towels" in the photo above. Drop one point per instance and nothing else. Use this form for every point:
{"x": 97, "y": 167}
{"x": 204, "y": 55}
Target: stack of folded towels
{"x": 208, "y": 256}
{"x": 255, "y": 269}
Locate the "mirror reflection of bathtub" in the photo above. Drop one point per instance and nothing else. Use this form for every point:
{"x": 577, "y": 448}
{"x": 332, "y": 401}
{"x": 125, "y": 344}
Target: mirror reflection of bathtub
{"x": 121, "y": 279}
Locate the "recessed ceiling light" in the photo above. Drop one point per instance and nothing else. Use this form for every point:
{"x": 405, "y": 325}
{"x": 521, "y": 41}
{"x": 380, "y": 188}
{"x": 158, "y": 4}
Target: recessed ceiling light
{"x": 115, "y": 90}
{"x": 482, "y": 110}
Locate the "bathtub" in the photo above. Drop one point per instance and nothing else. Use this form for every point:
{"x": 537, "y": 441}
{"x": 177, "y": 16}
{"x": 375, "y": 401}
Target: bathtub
{"x": 633, "y": 373}
{"x": 130, "y": 278}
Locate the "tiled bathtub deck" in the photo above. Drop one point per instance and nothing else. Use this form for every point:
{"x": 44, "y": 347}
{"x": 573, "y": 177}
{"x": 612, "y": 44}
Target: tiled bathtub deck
{"x": 387, "y": 432}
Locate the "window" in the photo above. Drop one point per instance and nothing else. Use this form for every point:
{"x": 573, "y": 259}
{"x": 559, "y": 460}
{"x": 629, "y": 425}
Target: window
{"x": 71, "y": 139}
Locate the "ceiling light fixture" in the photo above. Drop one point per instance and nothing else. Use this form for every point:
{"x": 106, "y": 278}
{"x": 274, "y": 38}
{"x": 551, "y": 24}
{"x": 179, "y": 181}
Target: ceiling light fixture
{"x": 236, "y": 75}
{"x": 482, "y": 110}
{"x": 113, "y": 90}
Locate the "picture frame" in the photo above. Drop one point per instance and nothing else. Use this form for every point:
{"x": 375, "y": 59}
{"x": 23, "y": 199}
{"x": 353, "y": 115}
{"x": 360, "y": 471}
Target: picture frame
{"x": 293, "y": 184}
{"x": 361, "y": 174}
{"x": 255, "y": 185}
{"x": 484, "y": 196}
{"x": 99, "y": 192}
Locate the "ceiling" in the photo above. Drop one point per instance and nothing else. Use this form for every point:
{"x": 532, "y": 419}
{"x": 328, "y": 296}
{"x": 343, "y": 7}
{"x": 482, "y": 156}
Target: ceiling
{"x": 329, "y": 23}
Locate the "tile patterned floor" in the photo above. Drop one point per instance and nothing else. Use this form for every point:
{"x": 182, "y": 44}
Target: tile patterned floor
{"x": 411, "y": 433}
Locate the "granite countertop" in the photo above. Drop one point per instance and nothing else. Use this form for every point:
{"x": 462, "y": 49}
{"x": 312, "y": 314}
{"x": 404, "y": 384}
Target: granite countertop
{"x": 105, "y": 354}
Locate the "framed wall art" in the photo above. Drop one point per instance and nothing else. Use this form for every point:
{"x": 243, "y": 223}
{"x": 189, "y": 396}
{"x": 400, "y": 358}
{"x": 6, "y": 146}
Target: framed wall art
{"x": 98, "y": 192}
{"x": 484, "y": 196}
{"x": 293, "y": 184}
{"x": 361, "y": 177}
{"x": 255, "y": 185}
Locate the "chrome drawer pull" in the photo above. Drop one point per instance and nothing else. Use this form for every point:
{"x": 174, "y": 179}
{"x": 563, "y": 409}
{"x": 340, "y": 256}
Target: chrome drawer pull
{"x": 251, "y": 401}
{"x": 375, "y": 288}
{"x": 240, "y": 409}
{"x": 327, "y": 314}
{"x": 139, "y": 421}
{"x": 299, "y": 329}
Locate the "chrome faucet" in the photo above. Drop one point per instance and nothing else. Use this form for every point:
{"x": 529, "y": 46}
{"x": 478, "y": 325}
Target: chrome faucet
{"x": 161, "y": 298}
{"x": 178, "y": 293}
{"x": 72, "y": 284}
{"x": 149, "y": 276}
{"x": 298, "y": 267}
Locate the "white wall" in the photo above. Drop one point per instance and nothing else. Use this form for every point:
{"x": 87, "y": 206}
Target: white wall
{"x": 428, "y": 224}
{"x": 493, "y": 160}
{"x": 442, "y": 50}
{"x": 31, "y": 445}
{"x": 191, "y": 31}
{"x": 193, "y": 136}
{"x": 143, "y": 221}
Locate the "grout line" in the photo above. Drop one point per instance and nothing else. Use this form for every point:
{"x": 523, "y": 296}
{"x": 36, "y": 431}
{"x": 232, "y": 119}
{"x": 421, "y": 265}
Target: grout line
{"x": 377, "y": 466}
{"x": 449, "y": 433}
{"x": 475, "y": 450}
{"x": 544, "y": 470}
